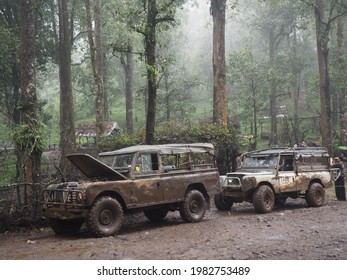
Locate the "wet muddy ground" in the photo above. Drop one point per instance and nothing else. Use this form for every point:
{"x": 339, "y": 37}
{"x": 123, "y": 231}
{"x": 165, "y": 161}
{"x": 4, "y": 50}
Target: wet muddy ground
{"x": 293, "y": 231}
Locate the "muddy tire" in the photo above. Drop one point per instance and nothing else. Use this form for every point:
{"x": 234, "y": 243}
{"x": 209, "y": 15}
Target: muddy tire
{"x": 65, "y": 226}
{"x": 105, "y": 217}
{"x": 156, "y": 215}
{"x": 263, "y": 199}
{"x": 315, "y": 195}
{"x": 193, "y": 208}
{"x": 222, "y": 204}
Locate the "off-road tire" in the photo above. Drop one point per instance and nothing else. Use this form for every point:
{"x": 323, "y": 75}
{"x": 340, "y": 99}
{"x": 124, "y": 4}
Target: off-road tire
{"x": 263, "y": 199}
{"x": 65, "y": 226}
{"x": 222, "y": 204}
{"x": 193, "y": 208}
{"x": 315, "y": 195}
{"x": 156, "y": 215}
{"x": 105, "y": 217}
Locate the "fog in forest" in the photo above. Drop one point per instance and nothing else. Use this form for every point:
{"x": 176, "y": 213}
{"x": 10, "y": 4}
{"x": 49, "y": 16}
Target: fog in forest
{"x": 254, "y": 71}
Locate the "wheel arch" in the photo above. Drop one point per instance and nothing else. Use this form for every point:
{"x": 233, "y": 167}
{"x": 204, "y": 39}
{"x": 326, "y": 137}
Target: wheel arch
{"x": 316, "y": 180}
{"x": 265, "y": 183}
{"x": 262, "y": 183}
{"x": 114, "y": 195}
{"x": 198, "y": 186}
{"x": 201, "y": 188}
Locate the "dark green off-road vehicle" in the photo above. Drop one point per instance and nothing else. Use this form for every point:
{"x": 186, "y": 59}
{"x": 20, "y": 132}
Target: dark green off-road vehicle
{"x": 268, "y": 177}
{"x": 154, "y": 179}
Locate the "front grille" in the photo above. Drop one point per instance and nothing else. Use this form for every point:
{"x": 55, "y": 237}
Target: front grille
{"x": 62, "y": 197}
{"x": 71, "y": 197}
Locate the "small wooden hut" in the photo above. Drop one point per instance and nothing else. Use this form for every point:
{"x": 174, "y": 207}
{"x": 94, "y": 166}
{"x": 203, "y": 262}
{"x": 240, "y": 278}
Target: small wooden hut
{"x": 86, "y": 132}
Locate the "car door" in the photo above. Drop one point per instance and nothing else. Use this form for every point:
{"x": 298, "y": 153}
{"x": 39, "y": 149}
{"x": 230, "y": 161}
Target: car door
{"x": 175, "y": 176}
{"x": 286, "y": 174}
{"x": 147, "y": 182}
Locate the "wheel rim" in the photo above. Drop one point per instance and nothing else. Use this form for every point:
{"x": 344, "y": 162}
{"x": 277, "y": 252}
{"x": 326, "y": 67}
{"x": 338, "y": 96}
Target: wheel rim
{"x": 106, "y": 217}
{"x": 195, "y": 207}
{"x": 319, "y": 196}
{"x": 268, "y": 200}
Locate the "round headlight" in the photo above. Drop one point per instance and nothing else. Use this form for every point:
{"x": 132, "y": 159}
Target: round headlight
{"x": 79, "y": 197}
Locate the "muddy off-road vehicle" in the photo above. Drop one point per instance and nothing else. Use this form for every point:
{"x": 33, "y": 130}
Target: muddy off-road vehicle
{"x": 268, "y": 177}
{"x": 154, "y": 179}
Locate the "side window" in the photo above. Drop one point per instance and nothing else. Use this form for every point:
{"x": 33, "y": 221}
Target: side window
{"x": 175, "y": 161}
{"x": 286, "y": 163}
{"x": 147, "y": 163}
{"x": 304, "y": 163}
{"x": 320, "y": 162}
{"x": 312, "y": 163}
{"x": 123, "y": 160}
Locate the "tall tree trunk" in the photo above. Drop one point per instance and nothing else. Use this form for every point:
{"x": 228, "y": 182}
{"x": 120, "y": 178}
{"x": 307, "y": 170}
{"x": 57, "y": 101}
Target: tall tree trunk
{"x": 322, "y": 37}
{"x": 67, "y": 119}
{"x": 255, "y": 116}
{"x": 53, "y": 12}
{"x": 30, "y": 138}
{"x": 99, "y": 79}
{"x": 150, "y": 41}
{"x": 11, "y": 15}
{"x": 273, "y": 90}
{"x": 16, "y": 91}
{"x": 342, "y": 73}
{"x": 296, "y": 128}
{"x": 96, "y": 56}
{"x": 167, "y": 96}
{"x": 129, "y": 77}
{"x": 296, "y": 89}
{"x": 220, "y": 116}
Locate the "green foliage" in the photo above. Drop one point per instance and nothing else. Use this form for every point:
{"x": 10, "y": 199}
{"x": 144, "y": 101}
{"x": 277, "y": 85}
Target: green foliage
{"x": 338, "y": 77}
{"x": 9, "y": 46}
{"x": 176, "y": 133}
{"x": 249, "y": 77}
{"x": 122, "y": 141}
{"x": 5, "y": 136}
{"x": 7, "y": 167}
{"x": 29, "y": 138}
{"x": 9, "y": 51}
{"x": 211, "y": 133}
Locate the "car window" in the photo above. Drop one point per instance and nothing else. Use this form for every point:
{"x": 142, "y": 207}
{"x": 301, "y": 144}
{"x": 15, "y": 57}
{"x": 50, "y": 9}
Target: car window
{"x": 312, "y": 162}
{"x": 260, "y": 162}
{"x": 175, "y": 161}
{"x": 108, "y": 160}
{"x": 147, "y": 163}
{"x": 123, "y": 160}
{"x": 286, "y": 163}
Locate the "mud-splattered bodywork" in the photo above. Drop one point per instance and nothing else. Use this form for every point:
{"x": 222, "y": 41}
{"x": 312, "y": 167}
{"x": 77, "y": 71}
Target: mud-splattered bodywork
{"x": 289, "y": 173}
{"x": 139, "y": 177}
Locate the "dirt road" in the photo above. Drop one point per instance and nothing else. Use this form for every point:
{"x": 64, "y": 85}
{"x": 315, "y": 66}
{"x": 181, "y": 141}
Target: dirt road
{"x": 293, "y": 231}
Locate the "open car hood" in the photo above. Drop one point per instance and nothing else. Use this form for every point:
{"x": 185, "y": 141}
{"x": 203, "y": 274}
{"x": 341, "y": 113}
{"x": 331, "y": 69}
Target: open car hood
{"x": 92, "y": 168}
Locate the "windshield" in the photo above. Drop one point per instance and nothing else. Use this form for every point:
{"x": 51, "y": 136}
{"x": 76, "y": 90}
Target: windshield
{"x": 269, "y": 161}
{"x": 118, "y": 161}
{"x": 108, "y": 160}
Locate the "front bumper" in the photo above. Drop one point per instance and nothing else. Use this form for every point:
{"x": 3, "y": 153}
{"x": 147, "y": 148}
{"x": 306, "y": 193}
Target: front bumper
{"x": 63, "y": 203}
{"x": 232, "y": 188}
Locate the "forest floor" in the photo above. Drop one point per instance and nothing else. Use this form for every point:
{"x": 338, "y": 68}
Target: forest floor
{"x": 293, "y": 231}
